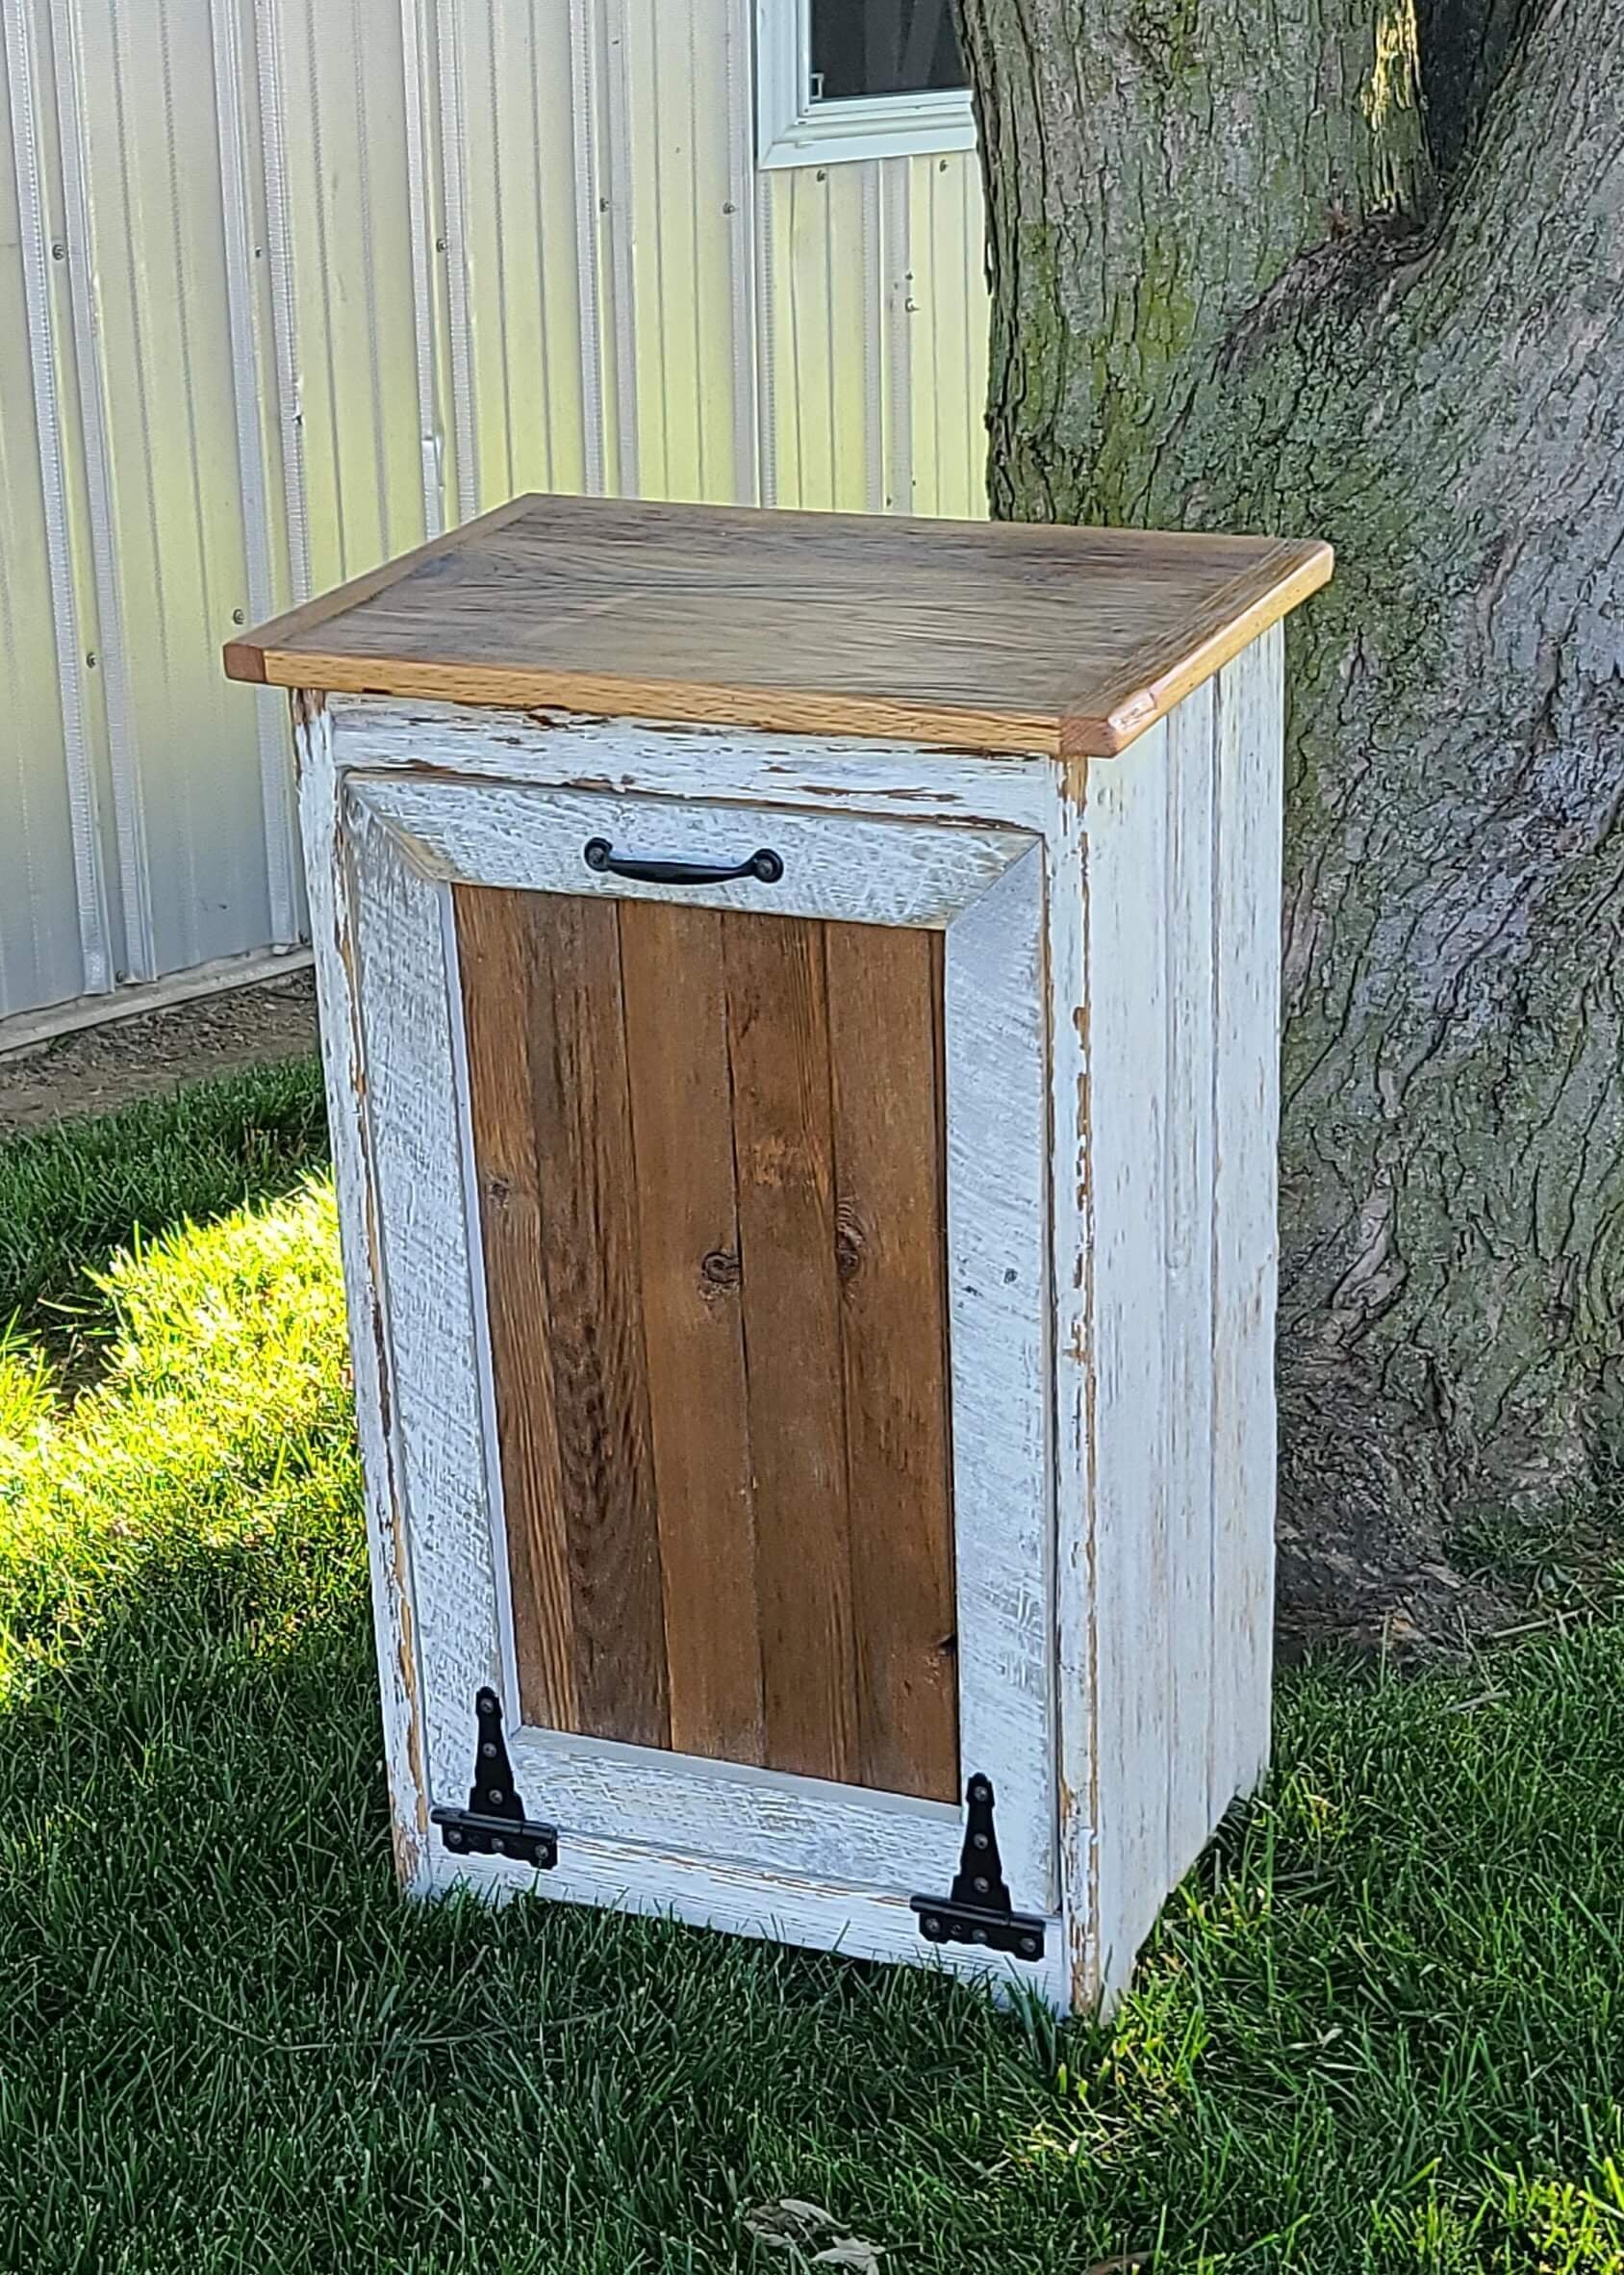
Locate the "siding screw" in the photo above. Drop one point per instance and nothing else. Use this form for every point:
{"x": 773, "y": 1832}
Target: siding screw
{"x": 822, "y": 173}
{"x": 237, "y": 616}
{"x": 90, "y": 660}
{"x": 729, "y": 207}
{"x": 59, "y": 251}
{"x": 439, "y": 245}
{"x": 943, "y": 168}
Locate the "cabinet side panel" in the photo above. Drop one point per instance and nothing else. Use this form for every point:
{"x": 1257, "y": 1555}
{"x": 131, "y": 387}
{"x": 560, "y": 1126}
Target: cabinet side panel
{"x": 1250, "y": 711}
{"x": 1189, "y": 1079}
{"x": 1183, "y": 927}
{"x": 884, "y": 1015}
{"x": 1127, "y": 863}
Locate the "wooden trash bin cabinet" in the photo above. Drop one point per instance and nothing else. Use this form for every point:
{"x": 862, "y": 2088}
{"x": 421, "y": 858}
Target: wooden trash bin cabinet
{"x": 799, "y": 1002}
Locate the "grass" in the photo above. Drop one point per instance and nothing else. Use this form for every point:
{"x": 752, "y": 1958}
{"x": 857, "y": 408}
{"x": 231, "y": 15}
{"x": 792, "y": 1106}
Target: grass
{"x": 71, "y": 1197}
{"x": 1381, "y": 2029}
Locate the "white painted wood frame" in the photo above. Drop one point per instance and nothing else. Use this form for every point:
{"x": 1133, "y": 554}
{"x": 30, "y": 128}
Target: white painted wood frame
{"x": 1113, "y": 977}
{"x": 408, "y": 839}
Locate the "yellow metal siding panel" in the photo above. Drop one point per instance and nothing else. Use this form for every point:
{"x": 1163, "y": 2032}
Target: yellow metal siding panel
{"x": 335, "y": 79}
{"x": 40, "y": 958}
{"x": 164, "y": 492}
{"x": 510, "y": 159}
{"x": 873, "y": 323}
{"x": 819, "y": 320}
{"x": 674, "y": 126}
{"x": 948, "y": 325}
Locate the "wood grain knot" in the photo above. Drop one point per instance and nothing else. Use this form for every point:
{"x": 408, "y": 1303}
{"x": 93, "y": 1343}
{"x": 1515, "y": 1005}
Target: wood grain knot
{"x": 719, "y": 1271}
{"x": 849, "y": 1240}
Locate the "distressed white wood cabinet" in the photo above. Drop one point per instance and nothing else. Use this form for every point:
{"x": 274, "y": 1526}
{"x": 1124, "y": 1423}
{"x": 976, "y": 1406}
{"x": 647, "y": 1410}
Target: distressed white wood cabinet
{"x": 800, "y": 1003}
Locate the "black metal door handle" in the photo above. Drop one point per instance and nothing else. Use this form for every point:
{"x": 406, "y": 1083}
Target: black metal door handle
{"x": 766, "y": 865}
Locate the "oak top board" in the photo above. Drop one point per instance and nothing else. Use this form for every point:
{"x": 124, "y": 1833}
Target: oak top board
{"x": 980, "y": 635}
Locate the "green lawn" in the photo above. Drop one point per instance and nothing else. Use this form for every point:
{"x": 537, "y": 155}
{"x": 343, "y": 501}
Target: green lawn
{"x": 1382, "y": 2026}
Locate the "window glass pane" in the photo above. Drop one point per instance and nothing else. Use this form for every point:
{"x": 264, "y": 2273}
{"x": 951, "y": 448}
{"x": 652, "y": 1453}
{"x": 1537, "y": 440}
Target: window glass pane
{"x": 880, "y": 47}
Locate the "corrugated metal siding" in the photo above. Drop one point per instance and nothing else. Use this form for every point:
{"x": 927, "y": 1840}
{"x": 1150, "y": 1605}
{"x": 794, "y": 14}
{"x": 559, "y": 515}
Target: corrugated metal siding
{"x": 54, "y": 920}
{"x": 332, "y": 274}
{"x": 947, "y": 327}
{"x": 526, "y": 357}
{"x": 41, "y": 952}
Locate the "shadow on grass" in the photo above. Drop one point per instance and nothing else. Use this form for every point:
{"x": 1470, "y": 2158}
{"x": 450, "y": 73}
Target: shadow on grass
{"x": 226, "y": 2040}
{"x": 1381, "y": 2025}
{"x": 230, "y": 2041}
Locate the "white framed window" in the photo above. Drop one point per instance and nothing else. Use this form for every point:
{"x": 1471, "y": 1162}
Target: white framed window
{"x": 858, "y": 79}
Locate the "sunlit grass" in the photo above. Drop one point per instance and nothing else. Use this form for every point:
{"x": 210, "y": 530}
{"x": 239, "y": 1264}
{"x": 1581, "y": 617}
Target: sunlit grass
{"x": 220, "y": 1421}
{"x": 70, "y": 1197}
{"x": 1382, "y": 2026}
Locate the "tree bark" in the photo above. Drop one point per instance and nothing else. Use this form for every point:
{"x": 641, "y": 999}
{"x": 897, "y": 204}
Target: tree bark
{"x": 1351, "y": 270}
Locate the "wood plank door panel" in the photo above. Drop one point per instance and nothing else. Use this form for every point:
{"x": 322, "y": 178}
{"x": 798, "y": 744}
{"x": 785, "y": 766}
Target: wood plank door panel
{"x": 709, "y": 1159}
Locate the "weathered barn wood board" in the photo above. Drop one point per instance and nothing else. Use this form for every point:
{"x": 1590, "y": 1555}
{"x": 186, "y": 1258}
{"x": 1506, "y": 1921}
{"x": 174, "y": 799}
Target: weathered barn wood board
{"x": 1251, "y": 777}
{"x": 676, "y": 998}
{"x": 988, "y": 635}
{"x": 642, "y": 1175}
{"x": 977, "y": 1473}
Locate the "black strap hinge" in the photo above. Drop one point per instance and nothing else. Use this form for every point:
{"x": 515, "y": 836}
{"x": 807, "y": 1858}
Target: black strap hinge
{"x": 495, "y": 1823}
{"x": 978, "y": 1911}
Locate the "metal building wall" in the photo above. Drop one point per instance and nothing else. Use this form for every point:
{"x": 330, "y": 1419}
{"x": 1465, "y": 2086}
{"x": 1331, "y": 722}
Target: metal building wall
{"x": 286, "y": 285}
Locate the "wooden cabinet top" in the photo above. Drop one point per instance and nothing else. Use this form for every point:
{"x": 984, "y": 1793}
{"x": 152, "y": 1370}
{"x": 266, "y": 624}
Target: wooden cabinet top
{"x": 992, "y": 636}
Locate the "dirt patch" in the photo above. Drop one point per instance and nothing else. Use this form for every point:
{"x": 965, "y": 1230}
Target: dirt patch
{"x": 1504, "y": 1577}
{"x": 100, "y": 1068}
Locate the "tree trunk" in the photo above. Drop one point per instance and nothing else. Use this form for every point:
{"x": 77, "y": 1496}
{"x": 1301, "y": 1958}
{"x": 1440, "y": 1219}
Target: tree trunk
{"x": 1348, "y": 270}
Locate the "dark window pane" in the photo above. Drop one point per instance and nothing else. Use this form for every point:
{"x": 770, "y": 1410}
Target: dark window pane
{"x": 880, "y": 47}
